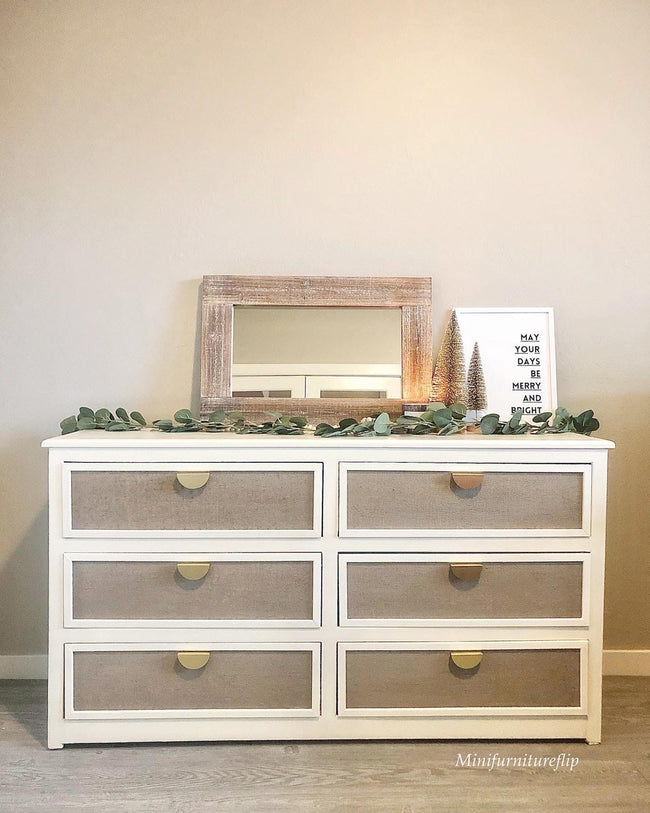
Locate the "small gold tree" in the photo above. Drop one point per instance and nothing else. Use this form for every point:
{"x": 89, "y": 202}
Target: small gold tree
{"x": 449, "y": 384}
{"x": 476, "y": 393}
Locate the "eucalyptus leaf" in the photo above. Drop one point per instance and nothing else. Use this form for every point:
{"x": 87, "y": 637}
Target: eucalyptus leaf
{"x": 138, "y": 418}
{"x": 68, "y": 425}
{"x": 542, "y": 417}
{"x": 408, "y": 420}
{"x": 86, "y": 422}
{"x": 442, "y": 417}
{"x": 184, "y": 416}
{"x": 103, "y": 415}
{"x": 116, "y": 426}
{"x": 345, "y": 422}
{"x": 562, "y": 419}
{"x": 382, "y": 424}
{"x": 489, "y": 423}
{"x": 122, "y": 414}
{"x": 86, "y": 412}
{"x": 458, "y": 410}
{"x": 450, "y": 429}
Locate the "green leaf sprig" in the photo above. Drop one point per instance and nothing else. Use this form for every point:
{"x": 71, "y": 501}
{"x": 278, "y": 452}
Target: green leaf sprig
{"x": 221, "y": 421}
{"x": 545, "y": 422}
{"x": 121, "y": 421}
{"x": 438, "y": 419}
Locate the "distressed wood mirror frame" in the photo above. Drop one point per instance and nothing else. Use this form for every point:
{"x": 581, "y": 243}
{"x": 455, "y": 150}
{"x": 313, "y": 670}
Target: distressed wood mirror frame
{"x": 221, "y": 293}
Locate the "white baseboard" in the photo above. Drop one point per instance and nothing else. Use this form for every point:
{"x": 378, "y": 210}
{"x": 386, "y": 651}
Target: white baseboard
{"x": 23, "y": 667}
{"x": 615, "y": 662}
{"x": 626, "y": 662}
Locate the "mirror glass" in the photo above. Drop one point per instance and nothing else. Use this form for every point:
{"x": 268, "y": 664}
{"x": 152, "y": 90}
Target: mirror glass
{"x": 306, "y": 352}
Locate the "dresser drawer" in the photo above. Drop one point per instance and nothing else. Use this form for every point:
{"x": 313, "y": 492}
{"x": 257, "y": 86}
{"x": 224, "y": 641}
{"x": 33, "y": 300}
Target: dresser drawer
{"x": 220, "y": 590}
{"x": 421, "y": 499}
{"x": 153, "y": 681}
{"x": 409, "y": 589}
{"x": 233, "y": 499}
{"x": 417, "y": 679}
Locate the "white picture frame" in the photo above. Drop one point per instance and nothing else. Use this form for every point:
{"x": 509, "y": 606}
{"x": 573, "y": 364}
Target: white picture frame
{"x": 517, "y": 349}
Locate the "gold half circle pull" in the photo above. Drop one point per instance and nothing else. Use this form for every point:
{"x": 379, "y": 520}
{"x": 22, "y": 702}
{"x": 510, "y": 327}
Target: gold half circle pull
{"x": 193, "y": 571}
{"x": 466, "y": 571}
{"x": 193, "y": 660}
{"x": 466, "y": 660}
{"x": 467, "y": 480}
{"x": 193, "y": 479}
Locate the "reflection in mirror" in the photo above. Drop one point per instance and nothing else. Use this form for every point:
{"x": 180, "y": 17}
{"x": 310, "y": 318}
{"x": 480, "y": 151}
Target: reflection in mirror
{"x": 312, "y": 352}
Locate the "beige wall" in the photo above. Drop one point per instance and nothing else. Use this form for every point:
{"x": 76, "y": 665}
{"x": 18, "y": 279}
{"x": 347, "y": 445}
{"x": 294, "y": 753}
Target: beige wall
{"x": 500, "y": 146}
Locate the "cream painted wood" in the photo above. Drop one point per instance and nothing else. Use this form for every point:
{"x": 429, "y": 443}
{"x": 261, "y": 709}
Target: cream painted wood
{"x": 346, "y": 468}
{"x": 293, "y": 384}
{"x": 483, "y": 711}
{"x": 153, "y": 713}
{"x": 346, "y": 559}
{"x": 315, "y": 385}
{"x": 315, "y": 530}
{"x": 71, "y": 621}
{"x": 150, "y": 449}
{"x": 312, "y": 386}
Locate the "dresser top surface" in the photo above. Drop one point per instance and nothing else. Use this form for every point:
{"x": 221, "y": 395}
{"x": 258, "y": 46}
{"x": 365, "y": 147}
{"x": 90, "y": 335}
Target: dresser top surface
{"x": 152, "y": 438}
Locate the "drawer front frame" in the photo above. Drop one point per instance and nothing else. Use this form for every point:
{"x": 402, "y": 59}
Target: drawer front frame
{"x": 449, "y": 468}
{"x": 317, "y": 516}
{"x": 139, "y": 623}
{"x": 156, "y": 714}
{"x": 446, "y": 558}
{"x": 461, "y": 711}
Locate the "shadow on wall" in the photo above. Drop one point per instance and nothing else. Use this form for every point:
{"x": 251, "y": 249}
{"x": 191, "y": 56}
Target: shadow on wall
{"x": 169, "y": 375}
{"x": 195, "y": 399}
{"x": 23, "y": 569}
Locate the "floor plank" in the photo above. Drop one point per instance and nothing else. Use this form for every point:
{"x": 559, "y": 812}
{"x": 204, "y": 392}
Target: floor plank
{"x": 386, "y": 777}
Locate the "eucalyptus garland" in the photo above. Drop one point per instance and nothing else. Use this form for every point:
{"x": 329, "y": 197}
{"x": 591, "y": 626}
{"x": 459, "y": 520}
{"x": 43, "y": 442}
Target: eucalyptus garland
{"x": 438, "y": 419}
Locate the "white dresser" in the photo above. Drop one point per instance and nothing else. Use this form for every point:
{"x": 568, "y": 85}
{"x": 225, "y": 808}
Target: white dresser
{"x": 227, "y": 587}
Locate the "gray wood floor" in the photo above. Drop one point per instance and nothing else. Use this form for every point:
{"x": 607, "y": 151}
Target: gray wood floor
{"x": 357, "y": 776}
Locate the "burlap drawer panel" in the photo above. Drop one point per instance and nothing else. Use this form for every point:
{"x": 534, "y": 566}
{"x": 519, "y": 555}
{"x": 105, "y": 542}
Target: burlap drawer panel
{"x": 155, "y": 680}
{"x": 427, "y": 590}
{"x": 425, "y": 679}
{"x": 230, "y": 590}
{"x": 426, "y": 499}
{"x": 231, "y": 500}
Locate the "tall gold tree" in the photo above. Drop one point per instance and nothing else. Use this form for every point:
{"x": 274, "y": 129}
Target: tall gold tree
{"x": 476, "y": 392}
{"x": 449, "y": 384}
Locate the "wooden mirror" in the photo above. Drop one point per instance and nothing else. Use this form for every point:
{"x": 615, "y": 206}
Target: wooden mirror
{"x": 251, "y": 324}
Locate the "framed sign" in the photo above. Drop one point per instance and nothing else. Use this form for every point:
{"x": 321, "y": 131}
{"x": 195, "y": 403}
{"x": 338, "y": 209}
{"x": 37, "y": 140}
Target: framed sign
{"x": 514, "y": 349}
